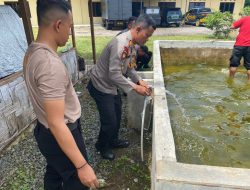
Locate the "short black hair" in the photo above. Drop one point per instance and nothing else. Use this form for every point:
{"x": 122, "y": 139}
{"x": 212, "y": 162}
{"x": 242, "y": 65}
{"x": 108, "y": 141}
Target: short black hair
{"x": 131, "y": 19}
{"x": 144, "y": 48}
{"x": 43, "y": 6}
{"x": 145, "y": 21}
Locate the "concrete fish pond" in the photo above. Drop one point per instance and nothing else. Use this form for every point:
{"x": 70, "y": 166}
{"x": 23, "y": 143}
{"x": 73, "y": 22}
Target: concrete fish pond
{"x": 201, "y": 119}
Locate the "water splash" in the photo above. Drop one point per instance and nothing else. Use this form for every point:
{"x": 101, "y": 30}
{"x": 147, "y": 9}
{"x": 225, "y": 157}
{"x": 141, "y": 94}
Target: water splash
{"x": 224, "y": 70}
{"x": 187, "y": 120}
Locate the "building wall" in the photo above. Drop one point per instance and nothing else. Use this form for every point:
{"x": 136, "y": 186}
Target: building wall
{"x": 81, "y": 13}
{"x": 184, "y": 4}
{"x": 215, "y": 5}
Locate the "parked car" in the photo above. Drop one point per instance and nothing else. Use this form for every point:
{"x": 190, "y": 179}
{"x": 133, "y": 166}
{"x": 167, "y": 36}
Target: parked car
{"x": 154, "y": 12}
{"x": 171, "y": 16}
{"x": 196, "y": 16}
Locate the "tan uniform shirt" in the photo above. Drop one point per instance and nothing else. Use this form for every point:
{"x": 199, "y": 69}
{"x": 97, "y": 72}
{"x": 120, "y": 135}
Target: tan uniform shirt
{"x": 47, "y": 78}
{"x": 117, "y": 60}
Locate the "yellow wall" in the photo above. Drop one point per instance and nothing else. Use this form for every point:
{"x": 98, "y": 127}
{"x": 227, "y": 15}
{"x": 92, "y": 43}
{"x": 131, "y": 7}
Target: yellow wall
{"x": 79, "y": 7}
{"x": 81, "y": 13}
{"x": 215, "y": 5}
{"x": 184, "y": 4}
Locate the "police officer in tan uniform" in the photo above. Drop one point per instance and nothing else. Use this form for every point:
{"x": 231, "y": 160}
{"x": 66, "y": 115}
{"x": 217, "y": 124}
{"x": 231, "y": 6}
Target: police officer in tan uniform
{"x": 58, "y": 110}
{"x": 118, "y": 60}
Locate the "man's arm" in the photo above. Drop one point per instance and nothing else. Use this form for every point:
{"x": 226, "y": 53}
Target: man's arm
{"x": 237, "y": 24}
{"x": 132, "y": 74}
{"x": 115, "y": 73}
{"x": 55, "y": 116}
{"x": 232, "y": 27}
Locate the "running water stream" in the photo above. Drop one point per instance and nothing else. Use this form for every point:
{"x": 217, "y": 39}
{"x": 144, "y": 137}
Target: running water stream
{"x": 184, "y": 115}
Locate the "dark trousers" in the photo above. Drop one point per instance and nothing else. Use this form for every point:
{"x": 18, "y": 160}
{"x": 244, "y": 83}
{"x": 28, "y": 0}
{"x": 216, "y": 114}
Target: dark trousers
{"x": 60, "y": 173}
{"x": 238, "y": 53}
{"x": 110, "y": 111}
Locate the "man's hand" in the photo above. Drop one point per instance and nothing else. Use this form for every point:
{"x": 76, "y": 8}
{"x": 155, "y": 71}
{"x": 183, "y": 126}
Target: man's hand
{"x": 232, "y": 27}
{"x": 143, "y": 90}
{"x": 88, "y": 177}
{"x": 55, "y": 117}
{"x": 143, "y": 83}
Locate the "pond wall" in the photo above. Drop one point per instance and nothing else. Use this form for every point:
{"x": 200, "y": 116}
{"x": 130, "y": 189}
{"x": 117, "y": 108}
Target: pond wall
{"x": 167, "y": 172}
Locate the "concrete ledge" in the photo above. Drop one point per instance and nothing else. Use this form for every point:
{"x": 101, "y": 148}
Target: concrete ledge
{"x": 203, "y": 175}
{"x": 195, "y": 44}
{"x": 167, "y": 173}
{"x": 146, "y": 74}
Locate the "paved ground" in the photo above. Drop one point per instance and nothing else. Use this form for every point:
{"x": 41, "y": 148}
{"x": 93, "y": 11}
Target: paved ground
{"x": 170, "y": 31}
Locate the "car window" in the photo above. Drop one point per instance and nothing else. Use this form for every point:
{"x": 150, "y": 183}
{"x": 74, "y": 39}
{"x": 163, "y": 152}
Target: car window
{"x": 152, "y": 11}
{"x": 205, "y": 10}
{"x": 195, "y": 10}
{"x": 173, "y": 13}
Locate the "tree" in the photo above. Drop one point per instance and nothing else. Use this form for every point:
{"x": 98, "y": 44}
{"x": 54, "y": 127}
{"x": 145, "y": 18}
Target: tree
{"x": 245, "y": 11}
{"x": 220, "y": 23}
{"x": 247, "y": 3}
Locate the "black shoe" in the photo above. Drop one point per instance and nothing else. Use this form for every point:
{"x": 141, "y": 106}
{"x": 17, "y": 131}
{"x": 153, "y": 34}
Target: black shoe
{"x": 120, "y": 144}
{"x": 107, "y": 154}
{"x": 98, "y": 146}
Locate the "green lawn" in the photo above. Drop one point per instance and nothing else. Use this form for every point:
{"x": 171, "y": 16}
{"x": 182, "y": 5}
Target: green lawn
{"x": 84, "y": 45}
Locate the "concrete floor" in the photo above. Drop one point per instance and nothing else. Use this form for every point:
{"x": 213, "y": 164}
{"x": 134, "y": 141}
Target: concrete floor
{"x": 170, "y": 31}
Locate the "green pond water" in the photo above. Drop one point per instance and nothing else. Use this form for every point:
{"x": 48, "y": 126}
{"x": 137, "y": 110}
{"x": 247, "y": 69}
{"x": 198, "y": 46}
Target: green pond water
{"x": 210, "y": 115}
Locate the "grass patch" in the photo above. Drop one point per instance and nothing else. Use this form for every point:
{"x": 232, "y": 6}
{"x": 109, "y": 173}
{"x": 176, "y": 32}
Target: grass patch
{"x": 131, "y": 175}
{"x": 21, "y": 181}
{"x": 84, "y": 46}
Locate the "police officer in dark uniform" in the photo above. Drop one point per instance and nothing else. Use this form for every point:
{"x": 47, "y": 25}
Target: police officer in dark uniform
{"x": 143, "y": 58}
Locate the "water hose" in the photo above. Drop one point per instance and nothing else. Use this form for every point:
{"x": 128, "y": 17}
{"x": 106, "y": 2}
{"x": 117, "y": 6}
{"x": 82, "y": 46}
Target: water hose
{"x": 147, "y": 101}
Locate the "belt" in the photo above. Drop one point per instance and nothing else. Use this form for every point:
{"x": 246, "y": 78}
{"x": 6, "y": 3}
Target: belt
{"x": 71, "y": 126}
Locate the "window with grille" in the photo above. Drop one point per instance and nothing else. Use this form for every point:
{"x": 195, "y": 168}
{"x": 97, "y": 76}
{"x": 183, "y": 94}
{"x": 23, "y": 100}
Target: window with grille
{"x": 97, "y": 9}
{"x": 227, "y": 7}
{"x": 196, "y": 4}
{"x": 136, "y": 8}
